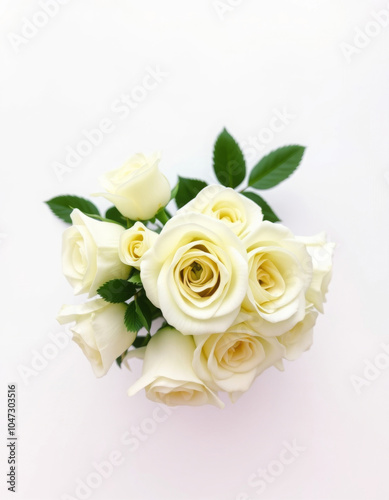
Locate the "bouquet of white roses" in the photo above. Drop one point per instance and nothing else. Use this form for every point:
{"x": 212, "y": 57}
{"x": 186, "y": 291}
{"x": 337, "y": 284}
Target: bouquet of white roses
{"x": 231, "y": 290}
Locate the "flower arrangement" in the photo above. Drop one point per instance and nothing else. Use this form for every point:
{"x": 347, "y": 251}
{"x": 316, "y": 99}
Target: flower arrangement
{"x": 209, "y": 297}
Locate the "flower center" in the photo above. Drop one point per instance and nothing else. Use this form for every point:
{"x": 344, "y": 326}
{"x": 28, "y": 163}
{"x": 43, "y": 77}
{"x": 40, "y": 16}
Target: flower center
{"x": 227, "y": 214}
{"x": 270, "y": 281}
{"x": 135, "y": 247}
{"x": 196, "y": 271}
{"x": 264, "y": 278}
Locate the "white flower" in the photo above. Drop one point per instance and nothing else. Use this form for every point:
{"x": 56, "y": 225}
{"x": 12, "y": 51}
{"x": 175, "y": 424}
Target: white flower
{"x": 138, "y": 189}
{"x": 134, "y": 243}
{"x": 321, "y": 252}
{"x": 237, "y": 211}
{"x": 99, "y": 331}
{"x": 167, "y": 374}
{"x": 300, "y": 337}
{"x": 230, "y": 361}
{"x": 90, "y": 253}
{"x": 196, "y": 273}
{"x": 280, "y": 272}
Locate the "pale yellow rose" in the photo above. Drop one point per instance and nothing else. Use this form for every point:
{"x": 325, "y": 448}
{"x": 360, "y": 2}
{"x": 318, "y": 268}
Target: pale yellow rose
{"x": 280, "y": 272}
{"x": 321, "y": 252}
{"x": 238, "y": 212}
{"x": 90, "y": 254}
{"x": 99, "y": 330}
{"x": 300, "y": 337}
{"x": 138, "y": 189}
{"x": 231, "y": 361}
{"x": 196, "y": 273}
{"x": 134, "y": 243}
{"x": 167, "y": 374}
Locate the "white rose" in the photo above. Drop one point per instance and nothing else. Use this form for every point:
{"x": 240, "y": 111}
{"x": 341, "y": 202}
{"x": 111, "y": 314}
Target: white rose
{"x": 134, "y": 243}
{"x": 138, "y": 189}
{"x": 238, "y": 212}
{"x": 280, "y": 272}
{"x": 300, "y": 337}
{"x": 90, "y": 253}
{"x": 230, "y": 361}
{"x": 167, "y": 374}
{"x": 321, "y": 252}
{"x": 196, "y": 273}
{"x": 99, "y": 331}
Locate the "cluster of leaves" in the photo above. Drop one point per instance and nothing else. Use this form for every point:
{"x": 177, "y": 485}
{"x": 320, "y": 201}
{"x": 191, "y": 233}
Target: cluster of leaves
{"x": 229, "y": 166}
{"x": 63, "y": 206}
{"x": 230, "y": 169}
{"x": 140, "y": 312}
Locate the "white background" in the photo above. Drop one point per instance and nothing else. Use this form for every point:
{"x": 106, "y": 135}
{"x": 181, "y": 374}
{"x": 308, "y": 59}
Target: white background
{"x": 234, "y": 71}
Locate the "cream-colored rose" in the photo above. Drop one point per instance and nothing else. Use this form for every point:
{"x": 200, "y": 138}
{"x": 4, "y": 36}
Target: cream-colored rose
{"x": 138, "y": 189}
{"x": 90, "y": 254}
{"x": 321, "y": 252}
{"x": 167, "y": 374}
{"x": 99, "y": 330}
{"x": 280, "y": 272}
{"x": 300, "y": 337}
{"x": 196, "y": 273}
{"x": 238, "y": 212}
{"x": 134, "y": 243}
{"x": 230, "y": 361}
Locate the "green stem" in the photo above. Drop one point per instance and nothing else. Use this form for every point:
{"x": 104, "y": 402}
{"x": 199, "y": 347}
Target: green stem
{"x": 163, "y": 216}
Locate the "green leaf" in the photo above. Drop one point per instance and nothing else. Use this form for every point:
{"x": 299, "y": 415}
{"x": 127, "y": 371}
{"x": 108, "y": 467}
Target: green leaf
{"x": 131, "y": 318}
{"x": 276, "y": 167}
{"x": 268, "y": 213}
{"x": 163, "y": 215}
{"x": 174, "y": 191}
{"x": 62, "y": 206}
{"x": 188, "y": 189}
{"x": 228, "y": 161}
{"x": 116, "y": 291}
{"x": 141, "y": 341}
{"x": 157, "y": 313}
{"x": 135, "y": 278}
{"x": 114, "y": 214}
{"x": 119, "y": 359}
{"x": 143, "y": 309}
